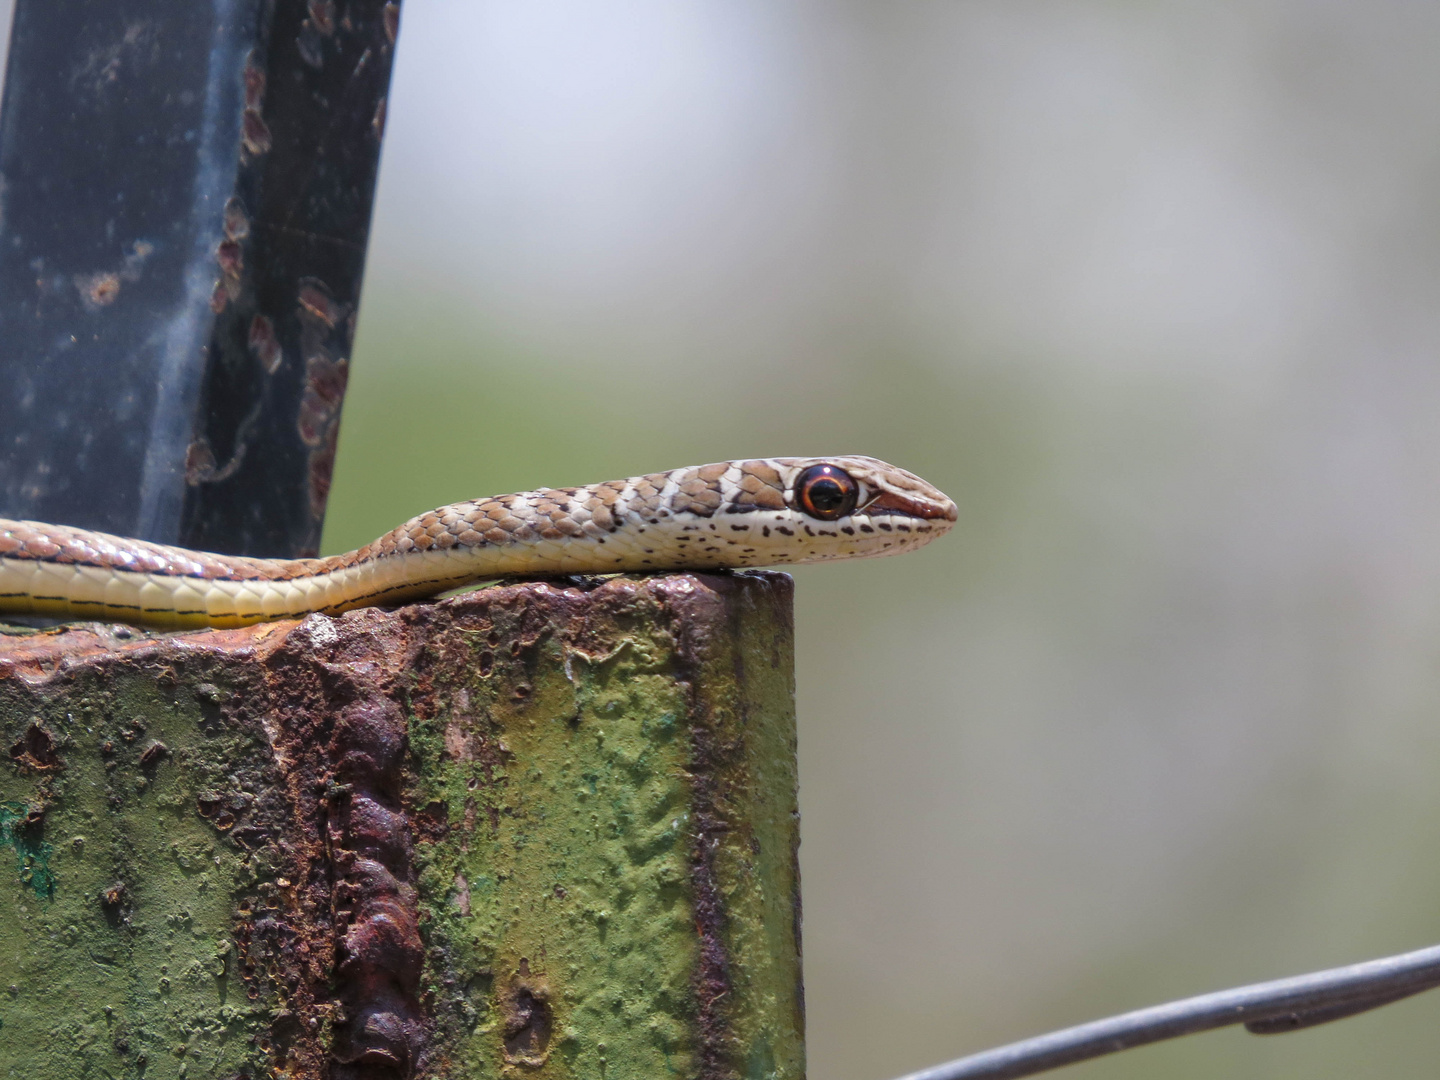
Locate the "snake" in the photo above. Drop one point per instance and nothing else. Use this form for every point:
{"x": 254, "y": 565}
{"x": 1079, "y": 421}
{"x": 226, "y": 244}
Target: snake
{"x": 728, "y": 515}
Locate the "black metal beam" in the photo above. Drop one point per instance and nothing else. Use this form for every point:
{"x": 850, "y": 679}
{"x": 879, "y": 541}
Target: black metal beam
{"x": 185, "y": 197}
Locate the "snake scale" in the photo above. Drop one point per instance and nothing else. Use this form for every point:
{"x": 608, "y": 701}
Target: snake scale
{"x": 731, "y": 514}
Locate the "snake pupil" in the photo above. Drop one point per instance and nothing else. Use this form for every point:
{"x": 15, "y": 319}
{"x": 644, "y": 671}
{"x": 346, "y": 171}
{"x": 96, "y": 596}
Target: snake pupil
{"x": 826, "y": 492}
{"x": 826, "y": 496}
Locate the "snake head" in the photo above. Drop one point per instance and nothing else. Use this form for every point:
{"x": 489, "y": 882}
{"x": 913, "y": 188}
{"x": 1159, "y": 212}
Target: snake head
{"x": 857, "y": 507}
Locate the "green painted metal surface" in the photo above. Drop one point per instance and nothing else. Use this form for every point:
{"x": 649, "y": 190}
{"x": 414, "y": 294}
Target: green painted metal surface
{"x": 536, "y": 830}
{"x": 117, "y": 953}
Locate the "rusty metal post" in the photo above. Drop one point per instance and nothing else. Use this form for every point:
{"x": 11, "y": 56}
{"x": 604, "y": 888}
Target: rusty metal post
{"x": 537, "y": 830}
{"x": 185, "y": 196}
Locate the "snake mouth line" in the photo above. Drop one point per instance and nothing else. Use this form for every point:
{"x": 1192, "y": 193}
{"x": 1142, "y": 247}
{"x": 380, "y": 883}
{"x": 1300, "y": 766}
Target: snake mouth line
{"x": 891, "y": 502}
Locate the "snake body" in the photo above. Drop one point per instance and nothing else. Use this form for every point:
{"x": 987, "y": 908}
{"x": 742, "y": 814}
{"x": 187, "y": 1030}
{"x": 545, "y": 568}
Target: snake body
{"x": 731, "y": 514}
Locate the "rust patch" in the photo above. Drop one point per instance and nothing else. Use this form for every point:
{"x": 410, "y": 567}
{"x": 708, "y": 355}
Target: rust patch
{"x": 254, "y": 133}
{"x": 212, "y": 808}
{"x": 35, "y": 750}
{"x": 325, "y": 326}
{"x": 254, "y": 83}
{"x": 199, "y": 461}
{"x": 325, "y": 381}
{"x": 315, "y": 300}
{"x": 347, "y": 738}
{"x": 98, "y": 290}
{"x": 102, "y": 288}
{"x": 320, "y": 469}
{"x": 237, "y": 222}
{"x": 322, "y": 15}
{"x": 231, "y": 260}
{"x": 319, "y": 25}
{"x": 200, "y": 464}
{"x": 229, "y": 254}
{"x": 264, "y": 344}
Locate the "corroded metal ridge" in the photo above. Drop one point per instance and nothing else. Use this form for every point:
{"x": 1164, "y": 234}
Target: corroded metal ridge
{"x": 539, "y": 829}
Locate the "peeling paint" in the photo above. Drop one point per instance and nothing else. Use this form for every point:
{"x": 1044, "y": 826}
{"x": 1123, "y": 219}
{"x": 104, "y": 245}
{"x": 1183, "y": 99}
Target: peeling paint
{"x": 255, "y": 79}
{"x": 254, "y": 132}
{"x": 322, "y": 15}
{"x": 20, "y": 832}
{"x": 264, "y": 345}
{"x": 324, "y": 392}
{"x": 237, "y": 222}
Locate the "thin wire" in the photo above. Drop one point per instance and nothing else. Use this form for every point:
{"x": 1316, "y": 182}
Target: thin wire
{"x": 1264, "y": 1008}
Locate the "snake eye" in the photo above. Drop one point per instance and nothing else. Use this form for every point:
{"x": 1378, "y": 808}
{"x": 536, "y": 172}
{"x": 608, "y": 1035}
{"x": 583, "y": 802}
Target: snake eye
{"x": 826, "y": 492}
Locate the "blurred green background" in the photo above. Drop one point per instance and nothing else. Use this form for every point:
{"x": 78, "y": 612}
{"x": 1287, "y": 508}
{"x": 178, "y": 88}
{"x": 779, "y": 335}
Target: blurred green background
{"x": 1151, "y": 290}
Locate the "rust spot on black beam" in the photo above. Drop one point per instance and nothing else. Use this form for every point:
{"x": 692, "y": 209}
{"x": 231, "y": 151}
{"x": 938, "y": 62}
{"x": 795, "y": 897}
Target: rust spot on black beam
{"x": 264, "y": 345}
{"x": 325, "y": 381}
{"x": 237, "y": 222}
{"x": 254, "y": 83}
{"x": 315, "y": 300}
{"x": 201, "y": 466}
{"x": 322, "y": 15}
{"x": 230, "y": 258}
{"x": 320, "y": 469}
{"x": 98, "y": 290}
{"x": 255, "y": 133}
